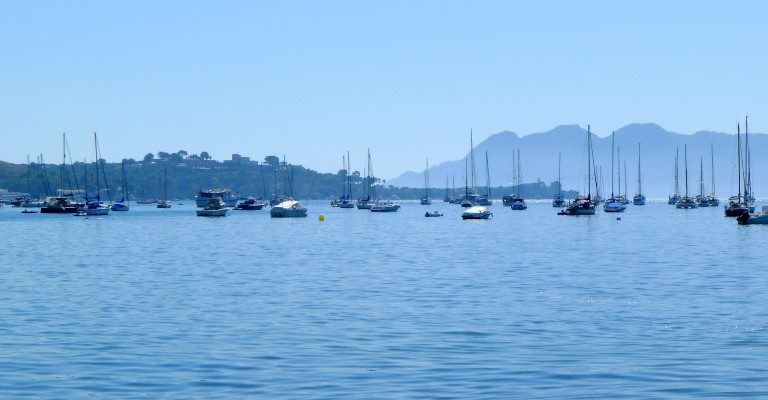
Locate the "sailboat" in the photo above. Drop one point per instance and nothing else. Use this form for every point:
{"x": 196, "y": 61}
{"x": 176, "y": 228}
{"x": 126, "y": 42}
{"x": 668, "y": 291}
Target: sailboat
{"x": 63, "y": 203}
{"x": 614, "y": 203}
{"x": 675, "y": 196}
{"x": 289, "y": 207}
{"x": 164, "y": 203}
{"x": 584, "y": 205}
{"x": 485, "y": 199}
{"x": 447, "y": 198}
{"x": 702, "y": 199}
{"x": 346, "y": 198}
{"x": 515, "y": 201}
{"x": 470, "y": 184}
{"x": 713, "y": 200}
{"x": 425, "y": 201}
{"x": 366, "y": 202}
{"x": 122, "y": 205}
{"x": 686, "y": 202}
{"x": 32, "y": 201}
{"x": 559, "y": 200}
{"x": 740, "y": 204}
{"x": 638, "y": 199}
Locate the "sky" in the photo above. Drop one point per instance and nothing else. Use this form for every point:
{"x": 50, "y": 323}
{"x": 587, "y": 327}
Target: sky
{"x": 408, "y": 80}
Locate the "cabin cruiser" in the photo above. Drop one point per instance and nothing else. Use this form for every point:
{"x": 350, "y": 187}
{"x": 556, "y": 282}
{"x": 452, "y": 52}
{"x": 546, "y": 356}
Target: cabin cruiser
{"x": 476, "y": 212}
{"x": 288, "y": 208}
{"x": 215, "y": 207}
{"x": 226, "y": 195}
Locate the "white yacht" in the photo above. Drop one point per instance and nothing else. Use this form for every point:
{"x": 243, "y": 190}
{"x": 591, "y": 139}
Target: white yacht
{"x": 385, "y": 206}
{"x": 476, "y": 212}
{"x": 288, "y": 208}
{"x": 226, "y": 195}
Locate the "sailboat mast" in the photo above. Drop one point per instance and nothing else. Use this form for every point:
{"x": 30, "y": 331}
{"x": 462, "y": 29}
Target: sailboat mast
{"x": 487, "y": 175}
{"x": 747, "y": 168}
{"x": 559, "y": 183}
{"x": 519, "y": 176}
{"x": 686, "y": 170}
{"x": 639, "y": 184}
{"x": 701, "y": 176}
{"x": 618, "y": 165}
{"x": 589, "y": 162}
{"x": 738, "y": 157}
{"x": 677, "y": 181}
{"x": 613, "y": 161}
{"x": 712, "y": 153}
{"x": 472, "y": 157}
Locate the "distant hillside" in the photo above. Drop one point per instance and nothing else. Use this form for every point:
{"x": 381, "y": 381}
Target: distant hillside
{"x": 539, "y": 154}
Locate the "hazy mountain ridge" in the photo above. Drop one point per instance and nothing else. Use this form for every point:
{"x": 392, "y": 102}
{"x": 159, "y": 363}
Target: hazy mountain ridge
{"x": 539, "y": 155}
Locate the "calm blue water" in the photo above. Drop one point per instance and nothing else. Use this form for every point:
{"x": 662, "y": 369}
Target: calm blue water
{"x": 155, "y": 303}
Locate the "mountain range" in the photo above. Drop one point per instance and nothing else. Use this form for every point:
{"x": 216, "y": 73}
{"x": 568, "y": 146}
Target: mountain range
{"x": 658, "y": 147}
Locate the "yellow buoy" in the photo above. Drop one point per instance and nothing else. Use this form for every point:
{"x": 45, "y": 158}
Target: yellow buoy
{"x": 321, "y": 217}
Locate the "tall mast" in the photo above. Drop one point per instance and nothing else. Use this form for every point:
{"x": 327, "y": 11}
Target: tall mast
{"x": 487, "y": 175}
{"x": 677, "y": 181}
{"x": 613, "y": 161}
{"x": 472, "y": 157}
{"x": 28, "y": 189}
{"x": 618, "y": 165}
{"x": 701, "y": 176}
{"x": 686, "y": 170}
{"x": 519, "y": 176}
{"x": 747, "y": 166}
{"x": 589, "y": 162}
{"x": 639, "y": 185}
{"x": 625, "y": 178}
{"x": 559, "y": 183}
{"x": 712, "y": 153}
{"x": 96, "y": 151}
{"x": 738, "y": 157}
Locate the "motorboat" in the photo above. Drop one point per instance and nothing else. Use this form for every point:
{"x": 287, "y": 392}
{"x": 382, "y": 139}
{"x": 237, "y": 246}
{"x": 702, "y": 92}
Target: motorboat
{"x": 164, "y": 204}
{"x": 226, "y": 195}
{"x": 760, "y": 218}
{"x": 59, "y": 205}
{"x": 518, "y": 204}
{"x": 215, "y": 207}
{"x": 289, "y": 208}
{"x": 385, "y": 206}
{"x": 614, "y": 205}
{"x": 476, "y": 212}
{"x": 433, "y": 214}
{"x": 558, "y": 201}
{"x": 580, "y": 206}
{"x": 250, "y": 204}
{"x": 29, "y": 212}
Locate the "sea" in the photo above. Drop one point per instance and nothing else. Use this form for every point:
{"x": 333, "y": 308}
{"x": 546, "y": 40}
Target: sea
{"x": 653, "y": 303}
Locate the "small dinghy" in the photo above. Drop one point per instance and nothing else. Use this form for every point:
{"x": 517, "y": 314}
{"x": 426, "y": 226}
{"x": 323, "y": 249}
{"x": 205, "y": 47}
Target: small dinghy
{"x": 29, "y": 212}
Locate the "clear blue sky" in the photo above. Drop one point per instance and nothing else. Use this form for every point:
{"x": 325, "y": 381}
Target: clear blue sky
{"x": 407, "y": 79}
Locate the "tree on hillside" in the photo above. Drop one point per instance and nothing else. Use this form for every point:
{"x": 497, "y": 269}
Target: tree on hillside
{"x": 182, "y": 153}
{"x": 272, "y": 161}
{"x": 149, "y": 157}
{"x": 163, "y": 155}
{"x": 204, "y": 155}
